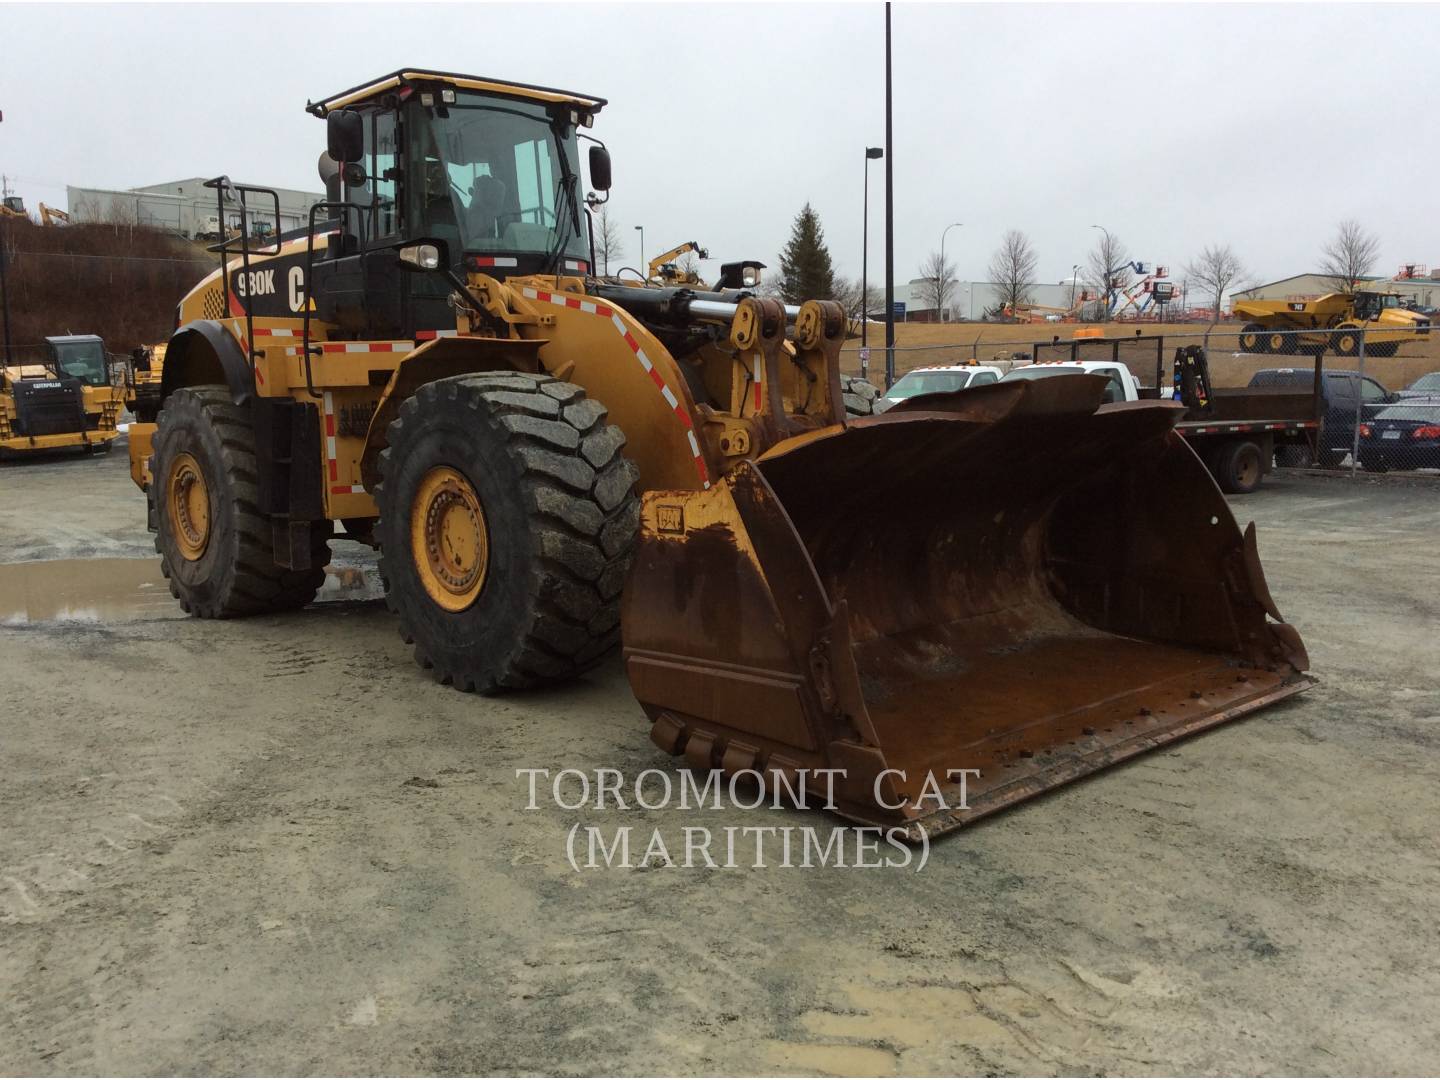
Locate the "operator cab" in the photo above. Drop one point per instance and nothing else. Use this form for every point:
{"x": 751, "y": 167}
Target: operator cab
{"x": 1369, "y": 305}
{"x": 79, "y": 356}
{"x": 488, "y": 171}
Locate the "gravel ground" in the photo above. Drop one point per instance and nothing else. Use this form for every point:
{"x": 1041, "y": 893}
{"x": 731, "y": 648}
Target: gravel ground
{"x": 274, "y": 846}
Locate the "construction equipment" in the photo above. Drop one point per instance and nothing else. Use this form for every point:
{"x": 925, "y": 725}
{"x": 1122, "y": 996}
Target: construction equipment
{"x": 666, "y": 270}
{"x": 432, "y": 365}
{"x": 68, "y": 400}
{"x": 143, "y": 377}
{"x": 1332, "y": 321}
{"x": 13, "y": 206}
{"x": 49, "y": 216}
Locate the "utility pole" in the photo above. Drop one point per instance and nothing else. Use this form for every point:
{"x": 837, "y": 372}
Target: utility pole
{"x": 5, "y": 292}
{"x": 871, "y": 153}
{"x": 889, "y": 217}
{"x": 940, "y": 277}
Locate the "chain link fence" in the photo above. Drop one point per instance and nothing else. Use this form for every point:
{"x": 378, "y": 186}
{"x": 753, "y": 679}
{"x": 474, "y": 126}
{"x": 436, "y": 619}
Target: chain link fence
{"x": 1344, "y": 400}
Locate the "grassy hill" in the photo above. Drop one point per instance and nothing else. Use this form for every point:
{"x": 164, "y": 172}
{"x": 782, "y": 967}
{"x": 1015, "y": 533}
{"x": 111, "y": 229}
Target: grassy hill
{"x": 119, "y": 281}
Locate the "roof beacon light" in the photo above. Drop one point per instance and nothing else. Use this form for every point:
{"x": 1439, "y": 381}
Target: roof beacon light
{"x": 447, "y": 96}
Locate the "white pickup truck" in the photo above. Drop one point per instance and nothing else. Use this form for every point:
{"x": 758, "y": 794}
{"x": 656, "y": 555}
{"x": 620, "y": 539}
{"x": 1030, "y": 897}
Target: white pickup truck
{"x": 938, "y": 380}
{"x": 1235, "y": 431}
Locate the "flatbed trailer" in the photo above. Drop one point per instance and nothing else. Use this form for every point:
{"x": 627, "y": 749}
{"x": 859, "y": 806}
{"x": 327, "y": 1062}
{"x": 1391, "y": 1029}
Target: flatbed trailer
{"x": 1235, "y": 431}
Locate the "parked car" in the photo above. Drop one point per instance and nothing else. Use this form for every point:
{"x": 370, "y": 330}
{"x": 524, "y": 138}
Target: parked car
{"x": 1341, "y": 392}
{"x": 1402, "y": 436}
{"x": 1425, "y": 386}
{"x": 937, "y": 380}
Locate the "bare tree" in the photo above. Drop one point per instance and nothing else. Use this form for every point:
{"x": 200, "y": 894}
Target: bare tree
{"x": 847, "y": 295}
{"x": 937, "y": 280}
{"x": 1348, "y": 258}
{"x": 688, "y": 265}
{"x": 1215, "y": 271}
{"x": 1108, "y": 269}
{"x": 608, "y": 240}
{"x": 1012, "y": 269}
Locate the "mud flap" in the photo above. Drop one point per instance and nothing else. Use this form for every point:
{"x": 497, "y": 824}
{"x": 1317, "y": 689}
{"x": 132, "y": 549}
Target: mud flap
{"x": 1015, "y": 581}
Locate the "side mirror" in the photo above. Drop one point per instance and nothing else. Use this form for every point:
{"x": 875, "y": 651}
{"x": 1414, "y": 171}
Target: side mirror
{"x": 425, "y": 255}
{"x": 345, "y": 135}
{"x": 599, "y": 168}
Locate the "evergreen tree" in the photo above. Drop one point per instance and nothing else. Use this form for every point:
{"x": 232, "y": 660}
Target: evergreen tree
{"x": 805, "y": 269}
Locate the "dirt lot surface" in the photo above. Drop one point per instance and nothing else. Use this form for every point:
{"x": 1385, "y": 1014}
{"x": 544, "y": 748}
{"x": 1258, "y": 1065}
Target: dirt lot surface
{"x": 274, "y": 846}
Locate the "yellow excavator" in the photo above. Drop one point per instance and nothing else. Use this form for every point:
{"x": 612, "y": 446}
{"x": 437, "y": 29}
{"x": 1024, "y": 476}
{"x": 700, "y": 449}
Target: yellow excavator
{"x": 1005, "y": 588}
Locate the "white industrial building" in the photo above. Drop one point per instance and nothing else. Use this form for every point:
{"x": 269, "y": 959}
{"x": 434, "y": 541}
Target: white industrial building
{"x": 188, "y": 208}
{"x": 1420, "y": 287}
{"x": 969, "y": 300}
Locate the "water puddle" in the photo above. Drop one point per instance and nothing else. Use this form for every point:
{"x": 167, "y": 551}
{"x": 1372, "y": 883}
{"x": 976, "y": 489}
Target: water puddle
{"x": 126, "y": 590}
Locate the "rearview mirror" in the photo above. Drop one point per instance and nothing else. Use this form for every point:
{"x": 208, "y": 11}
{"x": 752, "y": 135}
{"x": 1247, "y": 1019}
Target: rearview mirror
{"x": 345, "y": 135}
{"x": 599, "y": 168}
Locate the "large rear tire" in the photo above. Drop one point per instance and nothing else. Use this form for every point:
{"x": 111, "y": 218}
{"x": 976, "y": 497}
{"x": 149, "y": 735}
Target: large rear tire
{"x": 859, "y": 394}
{"x": 215, "y": 545}
{"x": 508, "y": 517}
{"x": 1239, "y": 467}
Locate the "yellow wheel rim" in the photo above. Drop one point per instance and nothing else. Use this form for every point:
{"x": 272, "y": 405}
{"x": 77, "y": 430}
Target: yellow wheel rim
{"x": 449, "y": 542}
{"x": 1347, "y": 343}
{"x": 1278, "y": 342}
{"x": 188, "y": 500}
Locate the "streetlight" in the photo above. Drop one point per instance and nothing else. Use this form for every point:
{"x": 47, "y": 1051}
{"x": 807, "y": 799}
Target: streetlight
{"x": 940, "y": 270}
{"x": 872, "y": 153}
{"x": 646, "y": 270}
{"x": 1105, "y": 258}
{"x": 1074, "y": 274}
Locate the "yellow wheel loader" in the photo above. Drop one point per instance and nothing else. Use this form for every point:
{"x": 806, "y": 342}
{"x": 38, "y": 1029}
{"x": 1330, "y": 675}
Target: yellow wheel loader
{"x": 1333, "y": 321}
{"x": 68, "y": 401}
{"x": 1018, "y": 582}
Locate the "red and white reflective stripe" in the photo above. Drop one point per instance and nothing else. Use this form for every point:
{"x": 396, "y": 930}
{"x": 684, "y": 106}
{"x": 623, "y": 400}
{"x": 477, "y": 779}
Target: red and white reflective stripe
{"x": 493, "y": 260}
{"x": 577, "y": 265}
{"x": 269, "y": 331}
{"x": 356, "y": 347}
{"x": 431, "y": 335}
{"x": 332, "y": 462}
{"x": 759, "y": 380}
{"x": 605, "y": 311}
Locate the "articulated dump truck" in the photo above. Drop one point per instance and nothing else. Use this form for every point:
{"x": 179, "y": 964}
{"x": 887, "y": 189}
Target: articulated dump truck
{"x": 1018, "y": 581}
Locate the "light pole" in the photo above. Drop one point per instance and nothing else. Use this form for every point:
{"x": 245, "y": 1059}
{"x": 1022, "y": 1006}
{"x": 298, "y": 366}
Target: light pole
{"x": 871, "y": 154}
{"x": 1074, "y": 274}
{"x": 889, "y": 215}
{"x": 1105, "y": 258}
{"x": 644, "y": 270}
{"x": 940, "y": 270}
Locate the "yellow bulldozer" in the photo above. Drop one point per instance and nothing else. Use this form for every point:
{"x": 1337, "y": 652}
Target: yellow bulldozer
{"x": 1018, "y": 582}
{"x": 1333, "y": 321}
{"x": 68, "y": 400}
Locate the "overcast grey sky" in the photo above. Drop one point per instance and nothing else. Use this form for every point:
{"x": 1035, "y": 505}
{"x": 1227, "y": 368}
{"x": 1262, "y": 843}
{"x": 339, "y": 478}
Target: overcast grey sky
{"x": 1173, "y": 126}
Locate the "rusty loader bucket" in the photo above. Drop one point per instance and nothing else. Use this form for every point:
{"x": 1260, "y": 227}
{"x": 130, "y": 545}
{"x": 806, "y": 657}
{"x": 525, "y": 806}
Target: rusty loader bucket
{"x": 1015, "y": 580}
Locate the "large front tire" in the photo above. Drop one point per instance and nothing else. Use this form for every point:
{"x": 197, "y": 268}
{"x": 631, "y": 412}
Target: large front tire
{"x": 508, "y": 517}
{"x": 215, "y": 545}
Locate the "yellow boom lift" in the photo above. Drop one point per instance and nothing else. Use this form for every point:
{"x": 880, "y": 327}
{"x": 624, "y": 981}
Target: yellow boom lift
{"x": 1017, "y": 580}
